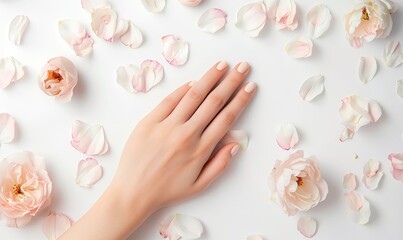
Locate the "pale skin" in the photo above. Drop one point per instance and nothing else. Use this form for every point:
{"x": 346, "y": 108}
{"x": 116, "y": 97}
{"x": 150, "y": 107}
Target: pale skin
{"x": 169, "y": 154}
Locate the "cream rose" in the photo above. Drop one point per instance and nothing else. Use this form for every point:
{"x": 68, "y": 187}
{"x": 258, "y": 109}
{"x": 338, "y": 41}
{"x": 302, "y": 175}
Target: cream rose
{"x": 296, "y": 184}
{"x": 58, "y": 78}
{"x": 25, "y": 188}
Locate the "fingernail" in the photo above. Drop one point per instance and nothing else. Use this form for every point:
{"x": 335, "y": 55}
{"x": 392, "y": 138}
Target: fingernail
{"x": 191, "y": 83}
{"x": 243, "y": 67}
{"x": 235, "y": 150}
{"x": 221, "y": 65}
{"x": 250, "y": 87}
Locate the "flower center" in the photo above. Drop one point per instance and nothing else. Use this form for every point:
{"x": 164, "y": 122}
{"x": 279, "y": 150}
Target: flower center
{"x": 52, "y": 75}
{"x": 17, "y": 190}
{"x": 364, "y": 15}
{"x": 300, "y": 181}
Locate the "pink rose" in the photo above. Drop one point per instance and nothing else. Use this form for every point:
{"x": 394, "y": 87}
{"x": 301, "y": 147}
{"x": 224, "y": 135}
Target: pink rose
{"x": 296, "y": 184}
{"x": 58, "y": 78}
{"x": 25, "y": 188}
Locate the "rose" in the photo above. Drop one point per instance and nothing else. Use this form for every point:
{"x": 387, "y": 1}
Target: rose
{"x": 58, "y": 78}
{"x": 368, "y": 20}
{"x": 25, "y": 188}
{"x": 190, "y": 3}
{"x": 296, "y": 184}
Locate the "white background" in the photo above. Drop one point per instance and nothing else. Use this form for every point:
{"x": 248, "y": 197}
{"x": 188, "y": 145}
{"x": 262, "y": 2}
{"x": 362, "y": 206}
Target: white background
{"x": 237, "y": 205}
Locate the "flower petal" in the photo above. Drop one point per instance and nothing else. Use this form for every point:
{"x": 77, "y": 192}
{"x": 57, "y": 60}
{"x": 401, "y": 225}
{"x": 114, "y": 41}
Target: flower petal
{"x": 175, "y": 51}
{"x": 399, "y": 87}
{"x": 88, "y": 139}
{"x": 74, "y": 33}
{"x": 367, "y": 69}
{"x": 7, "y": 128}
{"x": 285, "y": 14}
{"x": 11, "y": 70}
{"x": 132, "y": 38}
{"x": 190, "y": 3}
{"x": 254, "y": 237}
{"x": 393, "y": 54}
{"x": 396, "y": 165}
{"x": 154, "y": 6}
{"x": 358, "y": 207}
{"x": 17, "y": 29}
{"x": 311, "y": 88}
{"x": 299, "y": 48}
{"x": 319, "y": 18}
{"x": 238, "y": 136}
{"x": 212, "y": 20}
{"x": 287, "y": 136}
{"x": 372, "y": 174}
{"x": 307, "y": 226}
{"x": 350, "y": 182}
{"x": 89, "y": 172}
{"x": 251, "y": 18}
{"x": 91, "y": 5}
{"x": 105, "y": 23}
{"x": 181, "y": 226}
{"x": 55, "y": 225}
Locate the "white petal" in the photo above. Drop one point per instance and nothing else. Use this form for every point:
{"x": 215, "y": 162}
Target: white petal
{"x": 105, "y": 23}
{"x": 285, "y": 15}
{"x": 125, "y": 75}
{"x": 254, "y": 237}
{"x": 11, "y": 70}
{"x": 358, "y": 207}
{"x": 55, "y": 225}
{"x": 187, "y": 227}
{"x": 319, "y": 18}
{"x": 399, "y": 87}
{"x": 393, "y": 54}
{"x": 251, "y": 18}
{"x": 175, "y": 51}
{"x": 190, "y": 3}
{"x": 154, "y": 6}
{"x": 91, "y": 5}
{"x": 299, "y": 48}
{"x": 7, "y": 128}
{"x": 212, "y": 20}
{"x": 350, "y": 182}
{"x": 89, "y": 172}
{"x": 88, "y": 139}
{"x": 74, "y": 33}
{"x": 372, "y": 174}
{"x": 346, "y": 134}
{"x": 122, "y": 26}
{"x": 311, "y": 88}
{"x": 133, "y": 37}
{"x": 17, "y": 29}
{"x": 238, "y": 136}
{"x": 367, "y": 69}
{"x": 287, "y": 136}
{"x": 307, "y": 226}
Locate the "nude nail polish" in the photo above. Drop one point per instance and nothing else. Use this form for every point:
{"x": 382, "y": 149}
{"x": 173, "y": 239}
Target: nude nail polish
{"x": 250, "y": 87}
{"x": 243, "y": 67}
{"x": 221, "y": 65}
{"x": 234, "y": 150}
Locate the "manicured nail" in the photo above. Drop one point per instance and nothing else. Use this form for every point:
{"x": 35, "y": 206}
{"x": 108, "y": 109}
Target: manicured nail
{"x": 221, "y": 65}
{"x": 250, "y": 87}
{"x": 243, "y": 67}
{"x": 191, "y": 83}
{"x": 235, "y": 150}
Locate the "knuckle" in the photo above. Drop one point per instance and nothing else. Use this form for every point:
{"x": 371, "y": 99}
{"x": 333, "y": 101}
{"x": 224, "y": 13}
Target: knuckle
{"x": 195, "y": 94}
{"x": 216, "y": 99}
{"x": 228, "y": 118}
{"x": 243, "y": 100}
{"x": 169, "y": 101}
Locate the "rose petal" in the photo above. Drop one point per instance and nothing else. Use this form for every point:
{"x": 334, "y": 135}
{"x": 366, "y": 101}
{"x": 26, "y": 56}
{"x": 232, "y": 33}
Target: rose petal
{"x": 74, "y": 33}
{"x": 88, "y": 139}
{"x": 181, "y": 226}
{"x": 251, "y": 18}
{"x": 307, "y": 226}
{"x": 154, "y": 6}
{"x": 238, "y": 136}
{"x": 350, "y": 182}
{"x": 89, "y": 172}
{"x": 212, "y": 20}
{"x": 55, "y": 225}
{"x": 367, "y": 69}
{"x": 319, "y": 18}
{"x": 299, "y": 48}
{"x": 358, "y": 207}
{"x": 91, "y": 5}
{"x": 7, "y": 128}
{"x": 254, "y": 237}
{"x": 399, "y": 87}
{"x": 285, "y": 12}
{"x": 132, "y": 38}
{"x": 311, "y": 88}
{"x": 287, "y": 136}
{"x": 175, "y": 51}
{"x": 105, "y": 23}
{"x": 393, "y": 54}
{"x": 396, "y": 165}
{"x": 11, "y": 70}
{"x": 190, "y": 3}
{"x": 17, "y": 29}
{"x": 372, "y": 174}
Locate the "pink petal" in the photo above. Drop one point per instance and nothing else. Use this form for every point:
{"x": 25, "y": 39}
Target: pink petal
{"x": 396, "y": 165}
{"x": 154, "y": 6}
{"x": 399, "y": 88}
{"x": 55, "y": 225}
{"x": 358, "y": 207}
{"x": 251, "y": 18}
{"x": 393, "y": 54}
{"x": 287, "y": 136}
{"x": 11, "y": 70}
{"x": 299, "y": 48}
{"x": 307, "y": 226}
{"x": 18, "y": 222}
{"x": 254, "y": 237}
{"x": 17, "y": 29}
{"x": 319, "y": 18}
{"x": 105, "y": 23}
{"x": 285, "y": 15}
{"x": 7, "y": 128}
{"x": 238, "y": 136}
{"x": 88, "y": 139}
{"x": 91, "y": 5}
{"x": 367, "y": 69}
{"x": 311, "y": 88}
{"x": 190, "y": 3}
{"x": 212, "y": 20}
{"x": 89, "y": 172}
{"x": 175, "y": 51}
{"x": 132, "y": 37}
{"x": 350, "y": 182}
{"x": 182, "y": 226}
{"x": 74, "y": 33}
{"x": 372, "y": 174}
